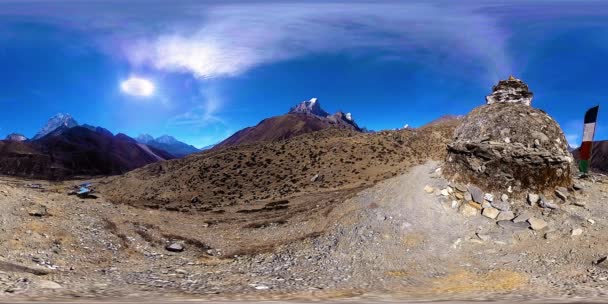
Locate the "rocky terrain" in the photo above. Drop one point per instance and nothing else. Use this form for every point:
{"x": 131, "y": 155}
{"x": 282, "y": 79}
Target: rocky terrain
{"x": 404, "y": 237}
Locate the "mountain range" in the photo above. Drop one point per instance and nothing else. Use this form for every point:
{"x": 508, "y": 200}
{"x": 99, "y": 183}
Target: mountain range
{"x": 167, "y": 143}
{"x": 305, "y": 117}
{"x": 63, "y": 148}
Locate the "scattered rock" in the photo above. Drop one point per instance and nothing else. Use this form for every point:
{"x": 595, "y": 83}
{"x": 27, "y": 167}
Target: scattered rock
{"x": 490, "y": 212}
{"x": 522, "y": 218}
{"x": 488, "y": 197}
{"x": 548, "y": 204}
{"x": 577, "y": 231}
{"x": 445, "y": 192}
{"x": 429, "y": 189}
{"x": 476, "y": 194}
{"x": 486, "y": 205}
{"x": 195, "y": 200}
{"x": 602, "y": 262}
{"x": 505, "y": 216}
{"x": 175, "y": 247}
{"x": 315, "y": 178}
{"x": 562, "y": 193}
{"x": 577, "y": 187}
{"x": 455, "y": 204}
{"x": 460, "y": 187}
{"x": 501, "y": 205}
{"x": 537, "y": 224}
{"x": 552, "y": 235}
{"x": 580, "y": 203}
{"x": 467, "y": 196}
{"x": 509, "y": 225}
{"x": 533, "y": 198}
{"x": 483, "y": 237}
{"x": 504, "y": 197}
{"x": 37, "y": 210}
{"x": 261, "y": 287}
{"x": 591, "y": 221}
{"x": 45, "y": 284}
{"x": 475, "y": 205}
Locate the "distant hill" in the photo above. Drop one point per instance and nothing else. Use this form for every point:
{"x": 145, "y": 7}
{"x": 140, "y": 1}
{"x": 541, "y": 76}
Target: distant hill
{"x": 16, "y": 137}
{"x": 306, "y": 117}
{"x": 71, "y": 150}
{"x": 599, "y": 156}
{"x": 444, "y": 118}
{"x": 168, "y": 143}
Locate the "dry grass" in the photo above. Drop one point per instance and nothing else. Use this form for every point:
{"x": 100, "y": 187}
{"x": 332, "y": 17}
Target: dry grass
{"x": 494, "y": 281}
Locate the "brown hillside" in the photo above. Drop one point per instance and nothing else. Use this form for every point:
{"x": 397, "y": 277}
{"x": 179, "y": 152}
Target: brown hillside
{"x": 280, "y": 128}
{"x": 269, "y": 171}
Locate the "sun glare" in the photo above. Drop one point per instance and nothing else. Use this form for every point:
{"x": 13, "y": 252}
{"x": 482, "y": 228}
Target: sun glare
{"x": 138, "y": 87}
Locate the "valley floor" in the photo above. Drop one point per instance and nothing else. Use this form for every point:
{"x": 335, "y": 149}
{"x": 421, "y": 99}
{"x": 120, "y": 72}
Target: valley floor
{"x": 385, "y": 242}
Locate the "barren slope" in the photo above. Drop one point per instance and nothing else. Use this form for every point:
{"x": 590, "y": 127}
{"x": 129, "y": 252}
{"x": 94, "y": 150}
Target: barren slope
{"x": 268, "y": 171}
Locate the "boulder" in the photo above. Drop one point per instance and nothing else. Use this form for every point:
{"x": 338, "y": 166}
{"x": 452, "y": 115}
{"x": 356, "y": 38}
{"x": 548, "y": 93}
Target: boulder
{"x": 468, "y": 210}
{"x": 562, "y": 193}
{"x": 505, "y": 216}
{"x": 37, "y": 210}
{"x": 490, "y": 212}
{"x": 533, "y": 198}
{"x": 175, "y": 247}
{"x": 537, "y": 224}
{"x": 476, "y": 194}
{"x": 509, "y": 225}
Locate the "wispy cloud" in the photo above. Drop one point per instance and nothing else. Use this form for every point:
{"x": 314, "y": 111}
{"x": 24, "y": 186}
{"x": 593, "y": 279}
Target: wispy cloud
{"x": 201, "y": 115}
{"x": 232, "y": 39}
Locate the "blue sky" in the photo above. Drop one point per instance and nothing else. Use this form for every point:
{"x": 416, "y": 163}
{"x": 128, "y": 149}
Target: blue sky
{"x": 219, "y": 66}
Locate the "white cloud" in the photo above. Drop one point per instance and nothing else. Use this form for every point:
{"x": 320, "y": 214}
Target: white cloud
{"x": 138, "y": 87}
{"x": 233, "y": 39}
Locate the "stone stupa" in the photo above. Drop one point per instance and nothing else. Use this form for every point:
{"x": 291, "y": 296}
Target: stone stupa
{"x": 507, "y": 145}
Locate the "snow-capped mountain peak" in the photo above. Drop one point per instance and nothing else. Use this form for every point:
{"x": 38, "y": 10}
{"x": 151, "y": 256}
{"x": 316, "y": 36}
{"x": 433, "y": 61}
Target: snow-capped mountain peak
{"x": 311, "y": 106}
{"x": 55, "y": 122}
{"x": 144, "y": 138}
{"x": 166, "y": 139}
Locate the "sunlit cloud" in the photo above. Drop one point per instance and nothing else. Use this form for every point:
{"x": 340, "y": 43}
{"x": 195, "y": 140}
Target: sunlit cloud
{"x": 233, "y": 39}
{"x": 137, "y": 86}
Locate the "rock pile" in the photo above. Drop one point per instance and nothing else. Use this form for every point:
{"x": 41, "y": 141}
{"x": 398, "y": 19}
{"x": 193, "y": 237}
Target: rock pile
{"x": 512, "y": 90}
{"x": 470, "y": 201}
{"x": 509, "y": 146}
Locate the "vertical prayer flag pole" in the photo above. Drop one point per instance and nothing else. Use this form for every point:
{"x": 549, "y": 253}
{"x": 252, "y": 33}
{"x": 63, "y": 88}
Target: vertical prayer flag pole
{"x": 588, "y": 133}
